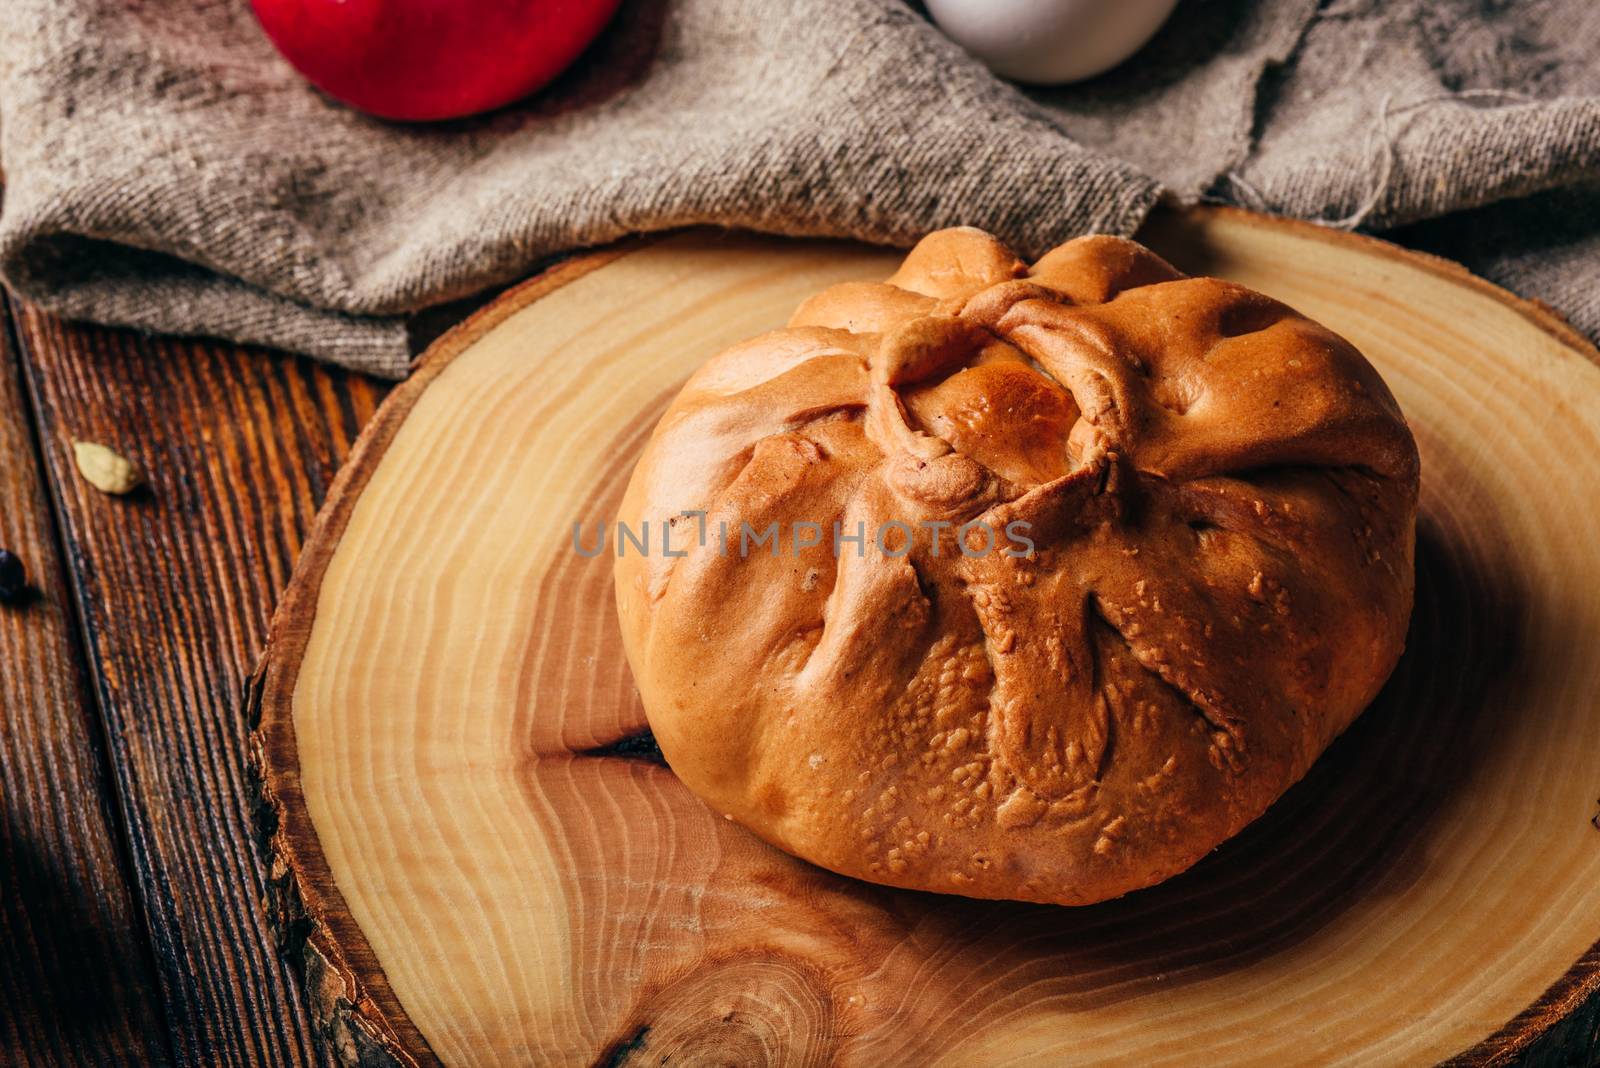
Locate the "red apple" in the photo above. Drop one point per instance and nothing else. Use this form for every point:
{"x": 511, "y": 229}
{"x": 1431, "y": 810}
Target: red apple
{"x": 431, "y": 59}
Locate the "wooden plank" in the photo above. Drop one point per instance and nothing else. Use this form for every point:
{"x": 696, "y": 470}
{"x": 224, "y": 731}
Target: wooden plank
{"x": 1573, "y": 1042}
{"x": 175, "y": 585}
{"x": 76, "y": 978}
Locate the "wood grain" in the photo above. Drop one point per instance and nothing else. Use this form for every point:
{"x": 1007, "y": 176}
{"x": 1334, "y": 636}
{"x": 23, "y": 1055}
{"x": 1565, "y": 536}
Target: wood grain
{"x": 495, "y": 870}
{"x": 76, "y": 978}
{"x": 173, "y": 586}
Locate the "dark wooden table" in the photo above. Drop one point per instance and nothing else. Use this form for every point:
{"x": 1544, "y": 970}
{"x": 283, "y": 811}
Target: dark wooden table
{"x": 131, "y": 922}
{"x": 131, "y": 919}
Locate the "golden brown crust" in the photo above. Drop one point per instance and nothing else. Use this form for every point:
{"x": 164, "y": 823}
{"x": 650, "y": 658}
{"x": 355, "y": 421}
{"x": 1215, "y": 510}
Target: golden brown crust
{"x": 1221, "y": 496}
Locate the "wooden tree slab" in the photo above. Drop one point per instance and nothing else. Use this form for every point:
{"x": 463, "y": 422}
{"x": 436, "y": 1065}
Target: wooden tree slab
{"x": 489, "y": 864}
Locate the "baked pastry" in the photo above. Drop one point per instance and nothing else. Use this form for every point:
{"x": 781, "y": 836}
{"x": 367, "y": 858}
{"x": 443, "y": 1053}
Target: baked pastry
{"x": 1199, "y": 509}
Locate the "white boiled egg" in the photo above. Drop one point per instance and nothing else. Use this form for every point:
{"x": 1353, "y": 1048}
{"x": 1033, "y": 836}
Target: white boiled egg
{"x": 1049, "y": 42}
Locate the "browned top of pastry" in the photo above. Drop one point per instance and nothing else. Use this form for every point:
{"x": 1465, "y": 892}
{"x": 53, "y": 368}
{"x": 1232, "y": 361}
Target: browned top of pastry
{"x": 1220, "y": 496}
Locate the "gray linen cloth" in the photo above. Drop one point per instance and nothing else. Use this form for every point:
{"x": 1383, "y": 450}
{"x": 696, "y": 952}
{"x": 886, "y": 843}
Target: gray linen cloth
{"x": 166, "y": 169}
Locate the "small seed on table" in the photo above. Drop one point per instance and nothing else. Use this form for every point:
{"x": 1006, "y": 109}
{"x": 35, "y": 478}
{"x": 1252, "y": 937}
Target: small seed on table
{"x": 105, "y": 469}
{"x": 13, "y": 577}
